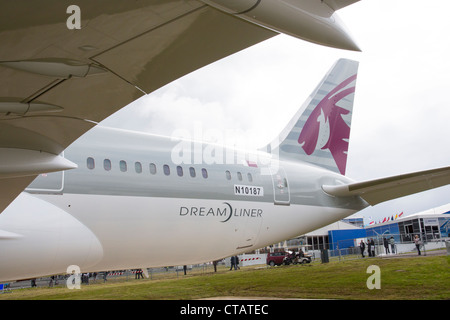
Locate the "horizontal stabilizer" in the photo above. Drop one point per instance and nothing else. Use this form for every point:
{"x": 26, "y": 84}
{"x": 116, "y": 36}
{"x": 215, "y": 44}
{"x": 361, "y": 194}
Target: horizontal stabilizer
{"x": 384, "y": 189}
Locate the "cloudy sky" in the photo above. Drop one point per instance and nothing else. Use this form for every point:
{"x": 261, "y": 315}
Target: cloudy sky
{"x": 402, "y": 103}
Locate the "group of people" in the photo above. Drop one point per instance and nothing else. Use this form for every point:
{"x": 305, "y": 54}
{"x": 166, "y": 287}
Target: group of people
{"x": 371, "y": 246}
{"x": 138, "y": 274}
{"x": 234, "y": 263}
{"x": 387, "y": 243}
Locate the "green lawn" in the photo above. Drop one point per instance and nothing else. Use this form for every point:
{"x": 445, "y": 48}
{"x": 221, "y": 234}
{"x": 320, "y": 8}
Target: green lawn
{"x": 401, "y": 278}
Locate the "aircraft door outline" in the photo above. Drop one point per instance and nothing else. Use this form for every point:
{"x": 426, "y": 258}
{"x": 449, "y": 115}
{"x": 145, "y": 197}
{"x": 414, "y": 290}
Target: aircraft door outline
{"x": 281, "y": 192}
{"x": 48, "y": 183}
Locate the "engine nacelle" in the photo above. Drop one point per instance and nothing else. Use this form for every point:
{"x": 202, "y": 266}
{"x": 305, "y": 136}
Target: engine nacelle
{"x": 45, "y": 240}
{"x": 311, "y": 20}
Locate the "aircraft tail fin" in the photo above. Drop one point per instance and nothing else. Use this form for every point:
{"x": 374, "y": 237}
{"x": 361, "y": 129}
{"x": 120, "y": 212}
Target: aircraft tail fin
{"x": 320, "y": 130}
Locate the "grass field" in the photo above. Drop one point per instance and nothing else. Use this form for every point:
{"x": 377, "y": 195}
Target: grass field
{"x": 419, "y": 278}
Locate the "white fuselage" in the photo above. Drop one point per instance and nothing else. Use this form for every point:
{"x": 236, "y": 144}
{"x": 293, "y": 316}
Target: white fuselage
{"x": 128, "y": 205}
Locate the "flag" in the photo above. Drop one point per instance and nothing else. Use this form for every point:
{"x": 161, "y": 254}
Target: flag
{"x": 252, "y": 164}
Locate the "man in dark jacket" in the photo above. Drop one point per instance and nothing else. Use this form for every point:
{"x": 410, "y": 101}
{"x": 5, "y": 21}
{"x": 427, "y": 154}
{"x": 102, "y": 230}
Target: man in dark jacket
{"x": 233, "y": 262}
{"x": 362, "y": 247}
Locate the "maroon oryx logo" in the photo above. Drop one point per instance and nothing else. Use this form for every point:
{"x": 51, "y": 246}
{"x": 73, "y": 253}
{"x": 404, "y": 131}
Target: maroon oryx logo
{"x": 326, "y": 123}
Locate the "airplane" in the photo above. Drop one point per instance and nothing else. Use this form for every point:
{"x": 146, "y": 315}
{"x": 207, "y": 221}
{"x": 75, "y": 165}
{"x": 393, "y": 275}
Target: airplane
{"x": 65, "y": 67}
{"x": 137, "y": 200}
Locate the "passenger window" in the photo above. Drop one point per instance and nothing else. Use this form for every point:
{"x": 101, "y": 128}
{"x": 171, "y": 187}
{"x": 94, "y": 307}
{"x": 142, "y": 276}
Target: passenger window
{"x": 228, "y": 175}
{"x": 166, "y": 170}
{"x": 205, "y": 173}
{"x": 180, "y": 171}
{"x": 239, "y": 175}
{"x": 107, "y": 164}
{"x": 90, "y": 163}
{"x": 152, "y": 168}
{"x": 138, "y": 167}
{"x": 192, "y": 172}
{"x": 249, "y": 176}
{"x": 123, "y": 166}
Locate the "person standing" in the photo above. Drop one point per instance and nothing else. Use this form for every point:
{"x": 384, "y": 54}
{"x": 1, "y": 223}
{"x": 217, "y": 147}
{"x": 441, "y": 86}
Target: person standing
{"x": 386, "y": 245}
{"x": 362, "y": 247}
{"x": 392, "y": 243}
{"x": 233, "y": 262}
{"x": 372, "y": 247}
{"x": 417, "y": 242}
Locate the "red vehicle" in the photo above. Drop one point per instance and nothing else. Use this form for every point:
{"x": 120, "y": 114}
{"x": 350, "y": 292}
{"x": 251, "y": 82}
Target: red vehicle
{"x": 275, "y": 258}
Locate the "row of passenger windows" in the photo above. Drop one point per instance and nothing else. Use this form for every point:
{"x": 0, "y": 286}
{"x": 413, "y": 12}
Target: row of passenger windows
{"x": 123, "y": 166}
{"x": 239, "y": 176}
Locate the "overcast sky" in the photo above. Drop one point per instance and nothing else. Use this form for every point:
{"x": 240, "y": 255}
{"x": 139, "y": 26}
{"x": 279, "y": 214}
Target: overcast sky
{"x": 402, "y": 103}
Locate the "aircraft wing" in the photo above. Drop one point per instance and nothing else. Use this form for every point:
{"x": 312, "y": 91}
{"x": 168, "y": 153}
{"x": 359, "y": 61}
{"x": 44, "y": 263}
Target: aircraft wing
{"x": 64, "y": 68}
{"x": 384, "y": 189}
